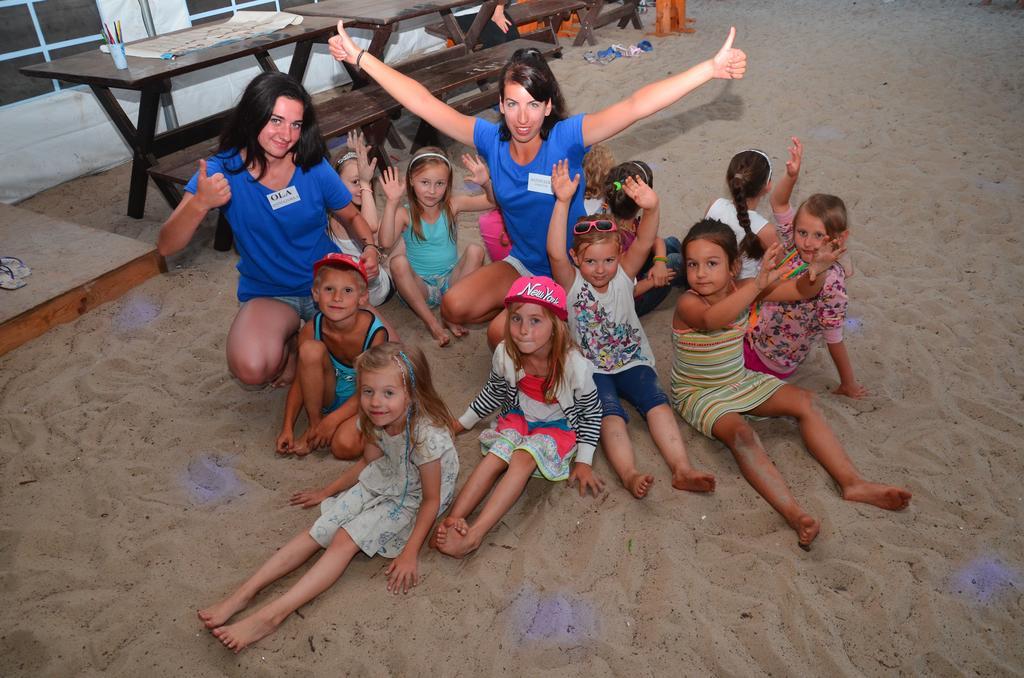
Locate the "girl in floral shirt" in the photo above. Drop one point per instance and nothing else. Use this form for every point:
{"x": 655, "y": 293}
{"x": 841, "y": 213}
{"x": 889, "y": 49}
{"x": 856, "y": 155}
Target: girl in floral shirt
{"x": 781, "y": 334}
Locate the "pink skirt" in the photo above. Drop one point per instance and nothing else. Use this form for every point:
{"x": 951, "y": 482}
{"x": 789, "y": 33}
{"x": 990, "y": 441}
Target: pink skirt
{"x": 753, "y": 362}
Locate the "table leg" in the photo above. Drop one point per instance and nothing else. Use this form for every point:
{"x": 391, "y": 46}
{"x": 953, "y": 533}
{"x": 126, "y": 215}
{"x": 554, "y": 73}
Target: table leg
{"x": 588, "y": 20}
{"x": 149, "y": 107}
{"x": 266, "y": 63}
{"x": 472, "y": 37}
{"x": 300, "y": 59}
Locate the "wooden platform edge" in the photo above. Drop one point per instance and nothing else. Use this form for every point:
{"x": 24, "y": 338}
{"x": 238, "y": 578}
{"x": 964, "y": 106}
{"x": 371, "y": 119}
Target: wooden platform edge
{"x": 76, "y": 302}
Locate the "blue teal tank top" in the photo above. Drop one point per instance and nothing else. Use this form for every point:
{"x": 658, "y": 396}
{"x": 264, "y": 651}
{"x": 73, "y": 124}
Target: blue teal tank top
{"x": 436, "y": 254}
{"x": 345, "y": 375}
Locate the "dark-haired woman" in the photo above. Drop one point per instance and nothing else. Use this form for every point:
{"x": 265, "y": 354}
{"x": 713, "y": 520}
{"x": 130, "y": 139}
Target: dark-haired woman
{"x": 272, "y": 179}
{"x": 533, "y": 135}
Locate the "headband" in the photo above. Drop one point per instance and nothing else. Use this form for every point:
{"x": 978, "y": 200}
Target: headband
{"x": 430, "y": 154}
{"x": 351, "y": 155}
{"x": 643, "y": 169}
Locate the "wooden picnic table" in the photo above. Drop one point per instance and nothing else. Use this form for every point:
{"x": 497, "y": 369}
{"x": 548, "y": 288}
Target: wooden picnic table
{"x": 152, "y": 77}
{"x": 382, "y": 16}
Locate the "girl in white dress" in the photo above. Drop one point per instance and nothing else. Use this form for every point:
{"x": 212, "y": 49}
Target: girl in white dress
{"x": 385, "y": 503}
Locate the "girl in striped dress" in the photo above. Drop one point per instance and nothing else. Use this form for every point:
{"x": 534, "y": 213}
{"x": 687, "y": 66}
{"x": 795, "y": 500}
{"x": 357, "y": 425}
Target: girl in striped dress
{"x": 711, "y": 388}
{"x": 549, "y": 415}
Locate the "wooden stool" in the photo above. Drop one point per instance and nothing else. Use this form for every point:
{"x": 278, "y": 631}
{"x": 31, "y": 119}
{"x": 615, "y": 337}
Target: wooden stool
{"x": 671, "y": 18}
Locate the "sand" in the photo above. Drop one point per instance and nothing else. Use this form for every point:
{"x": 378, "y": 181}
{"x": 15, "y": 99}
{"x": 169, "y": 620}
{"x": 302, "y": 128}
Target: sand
{"x": 139, "y": 480}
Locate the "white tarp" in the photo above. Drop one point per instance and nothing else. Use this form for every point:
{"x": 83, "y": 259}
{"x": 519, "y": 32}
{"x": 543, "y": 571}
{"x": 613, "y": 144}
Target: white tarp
{"x": 56, "y": 138}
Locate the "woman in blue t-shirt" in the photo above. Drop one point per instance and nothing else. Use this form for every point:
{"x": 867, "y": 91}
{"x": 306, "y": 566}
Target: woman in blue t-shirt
{"x": 271, "y": 179}
{"x": 533, "y": 135}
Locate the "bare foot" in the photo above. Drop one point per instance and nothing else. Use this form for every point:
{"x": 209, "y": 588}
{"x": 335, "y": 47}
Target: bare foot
{"x": 441, "y": 533}
{"x": 692, "y": 480}
{"x": 883, "y": 496}
{"x": 807, "y": 529}
{"x": 638, "y": 484}
{"x": 457, "y": 542}
{"x": 287, "y": 375}
{"x": 218, "y": 613}
{"x": 440, "y": 335}
{"x": 301, "y": 446}
{"x": 237, "y": 637}
{"x": 458, "y": 330}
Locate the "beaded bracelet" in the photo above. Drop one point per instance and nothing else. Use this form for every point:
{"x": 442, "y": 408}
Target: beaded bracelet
{"x": 360, "y": 58}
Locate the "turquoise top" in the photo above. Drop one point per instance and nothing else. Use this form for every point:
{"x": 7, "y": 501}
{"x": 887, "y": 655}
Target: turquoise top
{"x": 436, "y": 254}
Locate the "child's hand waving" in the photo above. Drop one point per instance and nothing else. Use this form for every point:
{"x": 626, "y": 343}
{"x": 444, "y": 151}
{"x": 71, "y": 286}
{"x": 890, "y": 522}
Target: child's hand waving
{"x": 478, "y": 172}
{"x": 796, "y": 156}
{"x": 392, "y": 184}
{"x": 561, "y": 185}
{"x": 642, "y": 194}
{"x": 769, "y": 272}
{"x": 824, "y": 257}
{"x": 402, "y": 573}
{"x": 365, "y": 165}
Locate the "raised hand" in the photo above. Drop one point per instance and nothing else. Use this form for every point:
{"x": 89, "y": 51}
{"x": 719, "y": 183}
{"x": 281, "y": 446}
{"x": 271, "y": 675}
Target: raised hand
{"x": 478, "y": 172}
{"x": 796, "y": 156}
{"x": 660, "y": 274}
{"x": 501, "y": 19}
{"x": 365, "y": 166}
{"x": 561, "y": 185}
{"x": 730, "y": 63}
{"x": 342, "y": 47}
{"x": 824, "y": 257}
{"x": 212, "y": 191}
{"x": 392, "y": 185}
{"x": 642, "y": 194}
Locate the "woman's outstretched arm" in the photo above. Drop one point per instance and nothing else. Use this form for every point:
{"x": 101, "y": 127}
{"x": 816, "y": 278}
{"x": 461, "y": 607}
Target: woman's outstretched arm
{"x": 730, "y": 63}
{"x": 406, "y": 91}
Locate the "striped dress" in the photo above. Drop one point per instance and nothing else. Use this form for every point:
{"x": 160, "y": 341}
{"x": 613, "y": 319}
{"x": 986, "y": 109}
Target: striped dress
{"x": 709, "y": 378}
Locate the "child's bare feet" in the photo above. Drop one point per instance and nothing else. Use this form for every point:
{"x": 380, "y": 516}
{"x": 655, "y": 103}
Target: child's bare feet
{"x": 441, "y": 533}
{"x": 456, "y": 329}
{"x": 301, "y": 446}
{"x": 638, "y": 483}
{"x": 457, "y": 542}
{"x": 883, "y": 496}
{"x": 218, "y": 613}
{"x": 440, "y": 334}
{"x": 692, "y": 480}
{"x": 807, "y": 529}
{"x": 237, "y": 637}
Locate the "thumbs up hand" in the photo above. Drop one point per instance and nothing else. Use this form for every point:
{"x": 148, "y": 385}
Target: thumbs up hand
{"x": 213, "y": 191}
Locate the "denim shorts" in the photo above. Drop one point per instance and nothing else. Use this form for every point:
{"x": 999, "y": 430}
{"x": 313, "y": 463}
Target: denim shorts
{"x": 638, "y": 385}
{"x": 304, "y": 305}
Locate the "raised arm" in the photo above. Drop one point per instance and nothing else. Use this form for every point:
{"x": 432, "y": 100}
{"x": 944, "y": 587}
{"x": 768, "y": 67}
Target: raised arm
{"x": 406, "y": 91}
{"x": 177, "y": 231}
{"x": 784, "y": 187}
{"x": 358, "y": 227}
{"x": 645, "y": 198}
{"x": 562, "y": 269}
{"x": 394, "y": 189}
{"x": 729, "y": 63}
{"x": 365, "y": 168}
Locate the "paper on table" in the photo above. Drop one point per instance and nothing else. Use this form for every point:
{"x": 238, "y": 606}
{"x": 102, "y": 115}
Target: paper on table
{"x": 243, "y": 25}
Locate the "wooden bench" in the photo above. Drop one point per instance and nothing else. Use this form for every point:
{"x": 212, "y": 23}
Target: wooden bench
{"x": 550, "y": 14}
{"x": 602, "y": 13}
{"x": 369, "y": 109}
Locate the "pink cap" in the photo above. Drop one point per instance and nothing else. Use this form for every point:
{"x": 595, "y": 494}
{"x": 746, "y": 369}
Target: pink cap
{"x": 539, "y": 289}
{"x": 339, "y": 259}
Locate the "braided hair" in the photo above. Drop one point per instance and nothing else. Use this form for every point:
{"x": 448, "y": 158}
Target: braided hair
{"x": 748, "y": 174}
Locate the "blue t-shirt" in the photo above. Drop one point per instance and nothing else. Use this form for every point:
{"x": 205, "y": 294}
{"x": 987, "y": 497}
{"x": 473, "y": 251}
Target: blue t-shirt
{"x": 527, "y": 212}
{"x": 279, "y": 234}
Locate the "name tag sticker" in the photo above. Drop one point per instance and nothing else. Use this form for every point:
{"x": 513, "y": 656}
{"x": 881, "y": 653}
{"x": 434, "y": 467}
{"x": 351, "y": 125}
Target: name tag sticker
{"x": 539, "y": 183}
{"x": 286, "y": 196}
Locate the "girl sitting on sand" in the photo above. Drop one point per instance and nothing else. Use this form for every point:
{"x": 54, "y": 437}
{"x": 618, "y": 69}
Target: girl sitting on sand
{"x": 782, "y": 334}
{"x": 549, "y": 415}
{"x": 604, "y": 323}
{"x": 385, "y": 503}
{"x": 427, "y": 226}
{"x": 749, "y": 178}
{"x": 711, "y": 388}
{"x": 664, "y": 264}
{"x": 356, "y": 170}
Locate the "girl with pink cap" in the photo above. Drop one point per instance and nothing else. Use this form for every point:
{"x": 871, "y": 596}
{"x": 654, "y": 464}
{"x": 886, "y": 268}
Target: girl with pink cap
{"x": 549, "y": 415}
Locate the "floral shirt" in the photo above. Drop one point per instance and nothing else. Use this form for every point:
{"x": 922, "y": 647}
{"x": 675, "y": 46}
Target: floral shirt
{"x": 605, "y": 324}
{"x": 785, "y": 331}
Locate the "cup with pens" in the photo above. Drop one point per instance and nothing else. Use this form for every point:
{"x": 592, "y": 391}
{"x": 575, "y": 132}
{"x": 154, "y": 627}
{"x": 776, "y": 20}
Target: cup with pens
{"x": 115, "y": 42}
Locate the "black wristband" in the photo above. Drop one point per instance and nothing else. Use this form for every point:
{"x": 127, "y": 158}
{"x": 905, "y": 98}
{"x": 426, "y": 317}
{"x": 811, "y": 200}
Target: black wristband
{"x": 360, "y": 58}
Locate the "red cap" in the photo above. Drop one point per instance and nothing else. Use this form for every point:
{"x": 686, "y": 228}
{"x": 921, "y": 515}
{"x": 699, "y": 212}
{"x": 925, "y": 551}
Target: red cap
{"x": 339, "y": 259}
{"x": 539, "y": 289}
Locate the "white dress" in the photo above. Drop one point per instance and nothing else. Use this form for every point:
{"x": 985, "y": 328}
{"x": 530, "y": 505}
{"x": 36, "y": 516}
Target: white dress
{"x": 379, "y": 511}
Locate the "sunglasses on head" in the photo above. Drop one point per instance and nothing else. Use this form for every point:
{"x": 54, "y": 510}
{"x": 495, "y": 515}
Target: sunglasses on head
{"x": 602, "y": 225}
